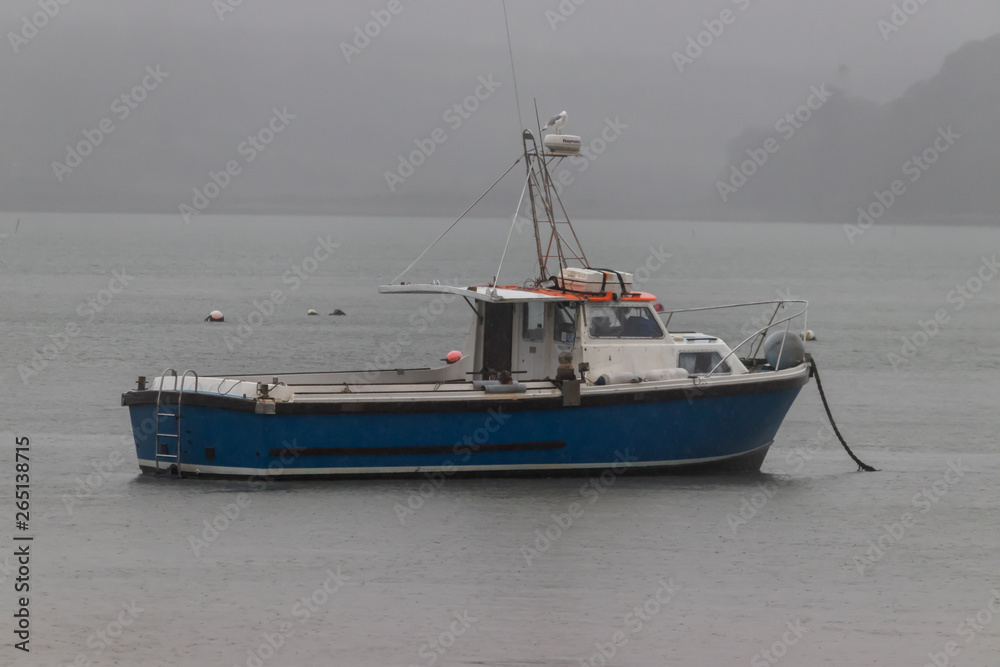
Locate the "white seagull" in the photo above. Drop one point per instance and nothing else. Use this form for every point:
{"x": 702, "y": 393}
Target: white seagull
{"x": 556, "y": 122}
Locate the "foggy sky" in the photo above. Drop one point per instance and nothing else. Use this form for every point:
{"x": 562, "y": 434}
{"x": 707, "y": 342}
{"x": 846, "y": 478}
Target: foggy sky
{"x": 227, "y": 72}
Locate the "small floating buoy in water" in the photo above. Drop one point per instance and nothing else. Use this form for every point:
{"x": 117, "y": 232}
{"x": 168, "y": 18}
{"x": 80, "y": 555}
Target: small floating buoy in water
{"x": 338, "y": 311}
{"x": 658, "y": 307}
{"x": 808, "y": 335}
{"x": 311, "y": 312}
{"x": 215, "y": 316}
{"x": 453, "y": 356}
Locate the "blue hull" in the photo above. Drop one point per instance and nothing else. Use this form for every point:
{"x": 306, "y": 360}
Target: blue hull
{"x": 707, "y": 433}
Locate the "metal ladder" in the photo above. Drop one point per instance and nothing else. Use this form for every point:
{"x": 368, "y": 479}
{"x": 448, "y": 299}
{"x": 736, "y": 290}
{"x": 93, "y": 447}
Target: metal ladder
{"x": 161, "y": 450}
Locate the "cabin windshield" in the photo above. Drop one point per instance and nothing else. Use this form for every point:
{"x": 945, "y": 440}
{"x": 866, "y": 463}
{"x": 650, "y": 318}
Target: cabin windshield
{"x": 621, "y": 321}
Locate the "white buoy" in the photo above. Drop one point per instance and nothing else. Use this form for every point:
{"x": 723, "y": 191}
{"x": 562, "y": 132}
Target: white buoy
{"x": 311, "y": 312}
{"x": 808, "y": 335}
{"x": 215, "y": 316}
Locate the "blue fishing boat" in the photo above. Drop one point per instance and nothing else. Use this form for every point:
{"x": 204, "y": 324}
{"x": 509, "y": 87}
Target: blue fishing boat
{"x": 570, "y": 372}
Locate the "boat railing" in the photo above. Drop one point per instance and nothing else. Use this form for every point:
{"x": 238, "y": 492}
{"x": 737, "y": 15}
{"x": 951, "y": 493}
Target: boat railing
{"x": 760, "y": 333}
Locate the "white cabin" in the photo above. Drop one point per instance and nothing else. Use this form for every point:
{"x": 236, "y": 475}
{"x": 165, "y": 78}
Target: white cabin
{"x": 618, "y": 338}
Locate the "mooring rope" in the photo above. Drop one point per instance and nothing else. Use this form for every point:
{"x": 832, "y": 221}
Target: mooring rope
{"x": 819, "y": 385}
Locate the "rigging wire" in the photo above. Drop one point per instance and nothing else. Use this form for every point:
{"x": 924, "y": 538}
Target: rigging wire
{"x": 513, "y": 221}
{"x": 419, "y": 257}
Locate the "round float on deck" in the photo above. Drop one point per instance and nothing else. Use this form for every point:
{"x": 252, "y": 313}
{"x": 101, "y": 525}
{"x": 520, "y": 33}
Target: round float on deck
{"x": 787, "y": 345}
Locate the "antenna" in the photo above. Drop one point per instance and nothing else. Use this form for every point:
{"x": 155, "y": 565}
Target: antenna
{"x": 510, "y": 50}
{"x": 538, "y": 121}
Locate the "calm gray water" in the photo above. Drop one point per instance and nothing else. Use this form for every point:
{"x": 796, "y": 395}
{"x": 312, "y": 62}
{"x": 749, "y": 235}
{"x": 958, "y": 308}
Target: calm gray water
{"x": 808, "y": 563}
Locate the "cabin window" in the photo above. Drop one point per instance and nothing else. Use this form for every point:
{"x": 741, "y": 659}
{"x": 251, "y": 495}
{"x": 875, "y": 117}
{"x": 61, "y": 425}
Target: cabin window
{"x": 565, "y": 323}
{"x": 533, "y": 321}
{"x": 622, "y": 322}
{"x": 702, "y": 363}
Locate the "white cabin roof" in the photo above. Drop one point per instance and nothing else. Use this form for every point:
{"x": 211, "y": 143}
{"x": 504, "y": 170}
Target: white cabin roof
{"x": 479, "y": 292}
{"x": 507, "y": 294}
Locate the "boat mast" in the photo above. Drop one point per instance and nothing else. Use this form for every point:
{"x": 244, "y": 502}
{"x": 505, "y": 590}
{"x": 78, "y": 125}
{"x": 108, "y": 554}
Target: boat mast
{"x": 544, "y": 198}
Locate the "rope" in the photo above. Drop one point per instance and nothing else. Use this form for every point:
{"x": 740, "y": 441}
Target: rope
{"x": 456, "y": 222}
{"x": 819, "y": 385}
{"x": 513, "y": 221}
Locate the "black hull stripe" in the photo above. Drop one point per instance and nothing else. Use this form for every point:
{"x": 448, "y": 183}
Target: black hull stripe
{"x": 410, "y": 451}
{"x": 520, "y": 403}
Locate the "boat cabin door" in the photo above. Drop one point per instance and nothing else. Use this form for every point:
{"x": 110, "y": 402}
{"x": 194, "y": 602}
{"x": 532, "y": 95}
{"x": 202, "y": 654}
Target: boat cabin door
{"x": 526, "y": 338}
{"x": 542, "y": 331}
{"x": 498, "y": 331}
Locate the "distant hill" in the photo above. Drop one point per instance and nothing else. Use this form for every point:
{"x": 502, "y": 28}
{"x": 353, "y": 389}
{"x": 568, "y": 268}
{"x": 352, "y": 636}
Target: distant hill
{"x": 851, "y": 149}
